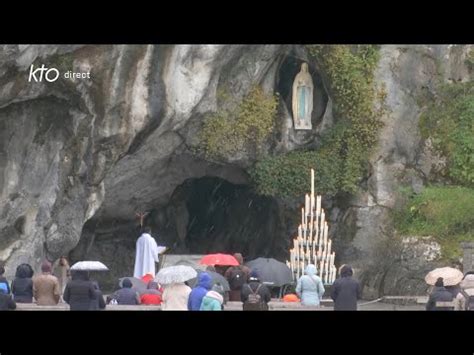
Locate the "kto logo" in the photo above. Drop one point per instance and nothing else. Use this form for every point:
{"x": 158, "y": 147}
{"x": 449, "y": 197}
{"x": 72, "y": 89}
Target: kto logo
{"x": 49, "y": 74}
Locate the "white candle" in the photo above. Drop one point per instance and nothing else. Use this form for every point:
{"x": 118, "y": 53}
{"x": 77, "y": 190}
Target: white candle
{"x": 321, "y": 268}
{"x": 306, "y": 204}
{"x": 312, "y": 182}
{"x": 311, "y": 205}
{"x": 329, "y": 246}
{"x": 302, "y": 217}
{"x": 300, "y": 234}
{"x": 327, "y": 272}
{"x": 318, "y": 205}
{"x": 325, "y": 233}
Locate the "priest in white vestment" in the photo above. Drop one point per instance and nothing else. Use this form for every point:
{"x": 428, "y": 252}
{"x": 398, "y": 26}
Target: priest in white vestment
{"x": 146, "y": 254}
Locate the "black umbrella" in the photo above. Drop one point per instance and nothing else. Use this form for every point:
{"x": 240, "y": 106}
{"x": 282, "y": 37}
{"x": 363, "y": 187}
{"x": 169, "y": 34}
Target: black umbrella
{"x": 216, "y": 278}
{"x": 271, "y": 271}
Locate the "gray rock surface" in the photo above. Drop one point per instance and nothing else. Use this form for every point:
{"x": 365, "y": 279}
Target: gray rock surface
{"x": 83, "y": 156}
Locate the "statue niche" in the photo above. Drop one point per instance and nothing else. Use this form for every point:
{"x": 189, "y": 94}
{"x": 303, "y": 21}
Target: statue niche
{"x": 302, "y": 99}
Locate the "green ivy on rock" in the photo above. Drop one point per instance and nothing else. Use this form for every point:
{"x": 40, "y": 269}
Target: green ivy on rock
{"x": 449, "y": 122}
{"x": 229, "y": 131}
{"x": 340, "y": 162}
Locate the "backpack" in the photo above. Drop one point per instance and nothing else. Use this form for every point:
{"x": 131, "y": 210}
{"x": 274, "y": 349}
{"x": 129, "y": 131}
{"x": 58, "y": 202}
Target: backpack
{"x": 3, "y": 288}
{"x": 254, "y": 300}
{"x": 237, "y": 278}
{"x": 254, "y": 297}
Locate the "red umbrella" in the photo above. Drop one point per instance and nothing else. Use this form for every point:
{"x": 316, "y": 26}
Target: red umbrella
{"x": 219, "y": 259}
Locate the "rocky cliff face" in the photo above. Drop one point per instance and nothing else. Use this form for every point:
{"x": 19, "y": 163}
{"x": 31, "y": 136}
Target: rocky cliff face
{"x": 79, "y": 158}
{"x": 411, "y": 76}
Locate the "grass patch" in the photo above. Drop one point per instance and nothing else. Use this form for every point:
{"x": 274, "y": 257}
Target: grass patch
{"x": 444, "y": 212}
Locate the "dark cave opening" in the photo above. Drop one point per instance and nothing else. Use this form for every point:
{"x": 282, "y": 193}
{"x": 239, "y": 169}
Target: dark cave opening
{"x": 204, "y": 215}
{"x": 210, "y": 215}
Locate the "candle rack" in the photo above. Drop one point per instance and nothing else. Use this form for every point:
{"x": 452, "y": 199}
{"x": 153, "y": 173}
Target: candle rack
{"x": 312, "y": 244}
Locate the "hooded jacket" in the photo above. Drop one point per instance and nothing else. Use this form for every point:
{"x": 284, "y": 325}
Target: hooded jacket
{"x": 212, "y": 301}
{"x": 310, "y": 287}
{"x": 198, "y": 292}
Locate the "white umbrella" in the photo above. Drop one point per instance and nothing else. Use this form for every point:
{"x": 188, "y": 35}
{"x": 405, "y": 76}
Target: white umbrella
{"x": 89, "y": 266}
{"x": 451, "y": 276}
{"x": 175, "y": 274}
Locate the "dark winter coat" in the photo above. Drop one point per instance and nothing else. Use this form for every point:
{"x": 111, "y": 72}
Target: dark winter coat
{"x": 6, "y": 302}
{"x": 345, "y": 292}
{"x": 263, "y": 291}
{"x": 198, "y": 292}
{"x": 80, "y": 294}
{"x": 126, "y": 296}
{"x": 22, "y": 290}
{"x": 440, "y": 294}
{"x": 99, "y": 302}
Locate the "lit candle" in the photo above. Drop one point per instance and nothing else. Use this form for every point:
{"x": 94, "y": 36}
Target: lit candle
{"x": 312, "y": 182}
{"x": 318, "y": 205}
{"x": 300, "y": 234}
{"x": 329, "y": 246}
{"x": 311, "y": 205}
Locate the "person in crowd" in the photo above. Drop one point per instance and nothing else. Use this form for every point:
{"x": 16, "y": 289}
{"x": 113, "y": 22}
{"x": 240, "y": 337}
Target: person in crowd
{"x": 198, "y": 292}
{"x": 212, "y": 301}
{"x": 237, "y": 277}
{"x": 345, "y": 291}
{"x": 80, "y": 293}
{"x": 255, "y": 295}
{"x": 98, "y": 303}
{"x": 146, "y": 255}
{"x": 46, "y": 290}
{"x": 6, "y": 302}
{"x": 62, "y": 271}
{"x": 152, "y": 295}
{"x": 4, "y": 286}
{"x": 440, "y": 298}
{"x": 147, "y": 278}
{"x": 126, "y": 295}
{"x": 465, "y": 298}
{"x": 22, "y": 285}
{"x": 175, "y": 297}
{"x": 310, "y": 288}
{"x": 217, "y": 286}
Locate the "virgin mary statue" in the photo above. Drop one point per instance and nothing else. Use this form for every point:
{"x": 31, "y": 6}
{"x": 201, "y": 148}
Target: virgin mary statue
{"x": 302, "y": 98}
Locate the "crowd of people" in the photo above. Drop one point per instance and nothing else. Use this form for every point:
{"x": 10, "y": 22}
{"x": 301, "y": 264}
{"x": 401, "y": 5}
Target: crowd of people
{"x": 58, "y": 283}
{"x": 459, "y": 297}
